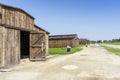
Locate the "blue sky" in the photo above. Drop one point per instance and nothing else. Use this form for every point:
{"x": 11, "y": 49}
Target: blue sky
{"x": 91, "y": 19}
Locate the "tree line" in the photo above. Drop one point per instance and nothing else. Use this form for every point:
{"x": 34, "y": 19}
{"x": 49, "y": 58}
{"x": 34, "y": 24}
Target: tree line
{"x": 105, "y": 41}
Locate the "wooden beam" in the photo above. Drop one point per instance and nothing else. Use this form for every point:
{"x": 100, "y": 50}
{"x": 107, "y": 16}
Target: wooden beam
{"x": 35, "y": 32}
{"x": 36, "y": 46}
{"x": 13, "y": 27}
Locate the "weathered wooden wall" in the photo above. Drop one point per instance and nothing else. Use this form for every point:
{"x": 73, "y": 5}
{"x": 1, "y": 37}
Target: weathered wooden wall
{"x": 10, "y": 46}
{"x": 75, "y": 42}
{"x": 63, "y": 42}
{"x": 16, "y": 18}
{"x": 60, "y": 43}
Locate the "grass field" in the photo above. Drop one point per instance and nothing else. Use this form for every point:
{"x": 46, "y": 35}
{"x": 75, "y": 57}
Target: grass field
{"x": 64, "y": 51}
{"x": 113, "y": 50}
{"x": 113, "y": 43}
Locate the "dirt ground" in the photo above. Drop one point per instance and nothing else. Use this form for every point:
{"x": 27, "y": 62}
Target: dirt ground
{"x": 92, "y": 63}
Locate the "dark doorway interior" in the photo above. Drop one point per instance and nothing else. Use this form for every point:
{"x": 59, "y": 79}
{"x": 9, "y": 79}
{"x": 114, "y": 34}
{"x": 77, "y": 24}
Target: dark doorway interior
{"x": 24, "y": 44}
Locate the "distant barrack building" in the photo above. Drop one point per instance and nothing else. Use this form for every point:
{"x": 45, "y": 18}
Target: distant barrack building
{"x": 20, "y": 37}
{"x": 84, "y": 41}
{"x": 59, "y": 41}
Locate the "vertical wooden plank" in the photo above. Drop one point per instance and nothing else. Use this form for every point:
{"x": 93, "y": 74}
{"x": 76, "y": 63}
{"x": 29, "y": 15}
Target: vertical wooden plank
{"x": 10, "y": 17}
{"x": 52, "y": 43}
{"x": 15, "y": 17}
{"x": 17, "y": 46}
{"x": 4, "y": 46}
{"x": 15, "y": 49}
{"x": 3, "y": 15}
{"x": 26, "y": 21}
{"x": 32, "y": 24}
{"x": 12, "y": 47}
{"x": 47, "y": 44}
{"x": 24, "y": 17}
{"x": 58, "y": 44}
{"x": 1, "y": 46}
{"x": 8, "y": 47}
{"x": 23, "y": 20}
{"x": 12, "y": 21}
{"x": 20, "y": 19}
{"x": 35, "y": 28}
{"x": 29, "y": 23}
{"x": 30, "y": 46}
{"x": 7, "y": 16}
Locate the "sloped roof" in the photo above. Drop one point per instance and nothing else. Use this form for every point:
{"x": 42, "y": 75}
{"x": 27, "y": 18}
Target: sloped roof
{"x": 41, "y": 29}
{"x": 16, "y": 9}
{"x": 68, "y": 36}
{"x": 81, "y": 39}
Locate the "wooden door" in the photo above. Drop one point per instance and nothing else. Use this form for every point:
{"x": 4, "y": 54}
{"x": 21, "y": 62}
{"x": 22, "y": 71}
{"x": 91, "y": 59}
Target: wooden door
{"x": 37, "y": 46}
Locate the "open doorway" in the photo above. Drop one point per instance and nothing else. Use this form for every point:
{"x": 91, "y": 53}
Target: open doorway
{"x": 24, "y": 44}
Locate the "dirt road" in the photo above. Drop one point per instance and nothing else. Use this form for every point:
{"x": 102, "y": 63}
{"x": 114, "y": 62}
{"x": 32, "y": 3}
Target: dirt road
{"x": 93, "y": 63}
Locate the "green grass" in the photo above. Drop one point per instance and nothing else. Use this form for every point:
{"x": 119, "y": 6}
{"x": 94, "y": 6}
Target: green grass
{"x": 113, "y": 50}
{"x": 64, "y": 51}
{"x": 113, "y": 43}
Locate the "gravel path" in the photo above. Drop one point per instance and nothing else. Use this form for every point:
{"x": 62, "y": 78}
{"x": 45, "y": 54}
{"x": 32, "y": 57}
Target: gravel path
{"x": 93, "y": 63}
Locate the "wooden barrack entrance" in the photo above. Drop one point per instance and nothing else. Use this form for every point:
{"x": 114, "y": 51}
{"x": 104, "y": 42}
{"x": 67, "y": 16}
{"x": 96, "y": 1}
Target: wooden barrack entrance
{"x": 37, "y": 47}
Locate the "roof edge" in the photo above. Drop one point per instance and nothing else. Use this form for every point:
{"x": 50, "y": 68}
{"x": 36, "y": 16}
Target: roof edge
{"x": 41, "y": 28}
{"x": 16, "y": 9}
{"x": 65, "y": 35}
